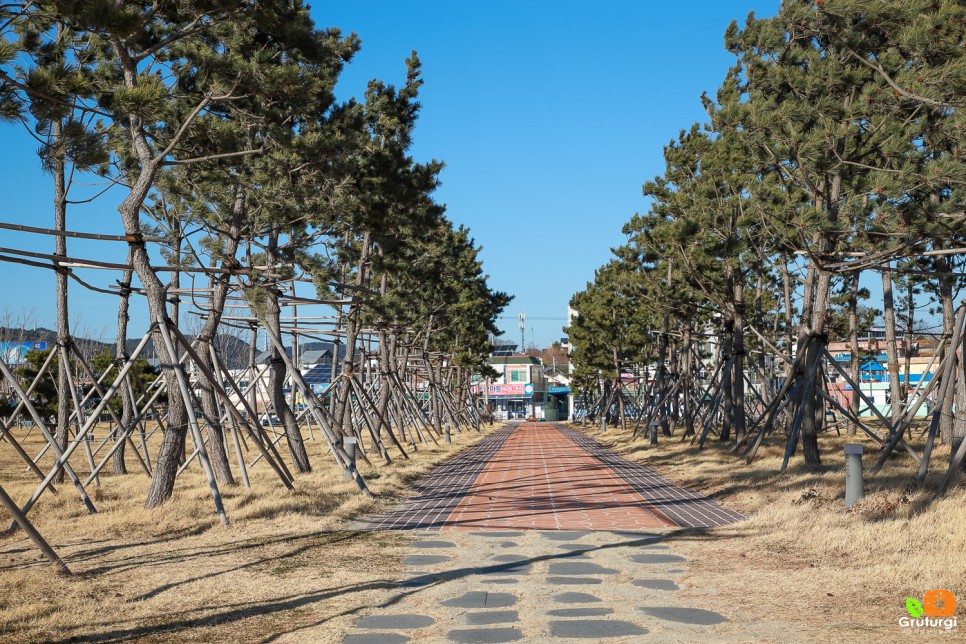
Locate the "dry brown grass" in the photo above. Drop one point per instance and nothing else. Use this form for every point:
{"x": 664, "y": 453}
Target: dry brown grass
{"x": 287, "y": 569}
{"x": 801, "y": 557}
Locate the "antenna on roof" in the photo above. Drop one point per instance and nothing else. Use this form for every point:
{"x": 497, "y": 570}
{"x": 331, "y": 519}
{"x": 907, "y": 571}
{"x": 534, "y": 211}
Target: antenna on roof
{"x": 523, "y": 330}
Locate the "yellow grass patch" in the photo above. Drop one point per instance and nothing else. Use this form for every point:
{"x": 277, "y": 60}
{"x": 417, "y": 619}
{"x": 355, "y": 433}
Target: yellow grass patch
{"x": 801, "y": 556}
{"x": 288, "y": 567}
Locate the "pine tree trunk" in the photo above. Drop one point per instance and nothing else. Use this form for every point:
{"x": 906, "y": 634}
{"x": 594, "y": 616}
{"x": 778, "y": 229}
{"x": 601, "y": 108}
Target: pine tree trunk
{"x": 949, "y": 320}
{"x": 120, "y": 357}
{"x": 787, "y": 292}
{"x": 293, "y": 436}
{"x": 688, "y": 374}
{"x": 728, "y": 374}
{"x": 808, "y": 344}
{"x": 172, "y": 444}
{"x": 383, "y": 377}
{"x": 63, "y": 321}
{"x": 212, "y": 414}
{"x": 814, "y": 404}
{"x": 892, "y": 352}
{"x": 738, "y": 382}
{"x": 353, "y": 323}
{"x": 605, "y": 401}
{"x": 763, "y": 385}
{"x": 660, "y": 378}
{"x": 171, "y": 452}
{"x": 910, "y": 329}
{"x": 620, "y": 391}
{"x": 217, "y": 453}
{"x": 854, "y": 359}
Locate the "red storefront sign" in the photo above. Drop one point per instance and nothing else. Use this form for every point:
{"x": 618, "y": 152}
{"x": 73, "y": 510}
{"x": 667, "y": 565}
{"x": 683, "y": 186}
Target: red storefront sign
{"x": 514, "y": 389}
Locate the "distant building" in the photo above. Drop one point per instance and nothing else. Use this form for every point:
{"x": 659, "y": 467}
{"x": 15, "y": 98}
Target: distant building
{"x": 558, "y": 392}
{"x": 520, "y": 389}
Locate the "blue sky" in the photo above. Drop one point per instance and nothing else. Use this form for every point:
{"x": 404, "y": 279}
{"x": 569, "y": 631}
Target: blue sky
{"x": 549, "y": 116}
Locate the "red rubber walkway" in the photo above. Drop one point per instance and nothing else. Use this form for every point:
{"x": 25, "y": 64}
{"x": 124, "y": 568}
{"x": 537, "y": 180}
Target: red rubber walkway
{"x": 543, "y": 477}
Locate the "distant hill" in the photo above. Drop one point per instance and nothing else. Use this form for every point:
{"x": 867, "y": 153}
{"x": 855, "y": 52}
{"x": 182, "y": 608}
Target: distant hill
{"x": 233, "y": 350}
{"x": 87, "y": 346}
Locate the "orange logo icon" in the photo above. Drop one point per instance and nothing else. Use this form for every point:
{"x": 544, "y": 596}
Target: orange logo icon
{"x": 939, "y": 603}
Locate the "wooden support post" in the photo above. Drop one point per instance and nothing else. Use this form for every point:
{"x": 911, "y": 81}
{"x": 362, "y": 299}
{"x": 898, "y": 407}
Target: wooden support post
{"x": 31, "y": 531}
{"x": 800, "y": 413}
{"x": 193, "y": 421}
{"x": 62, "y": 455}
{"x": 342, "y": 459}
{"x": 895, "y": 436}
{"x": 946, "y": 388}
{"x": 278, "y": 465}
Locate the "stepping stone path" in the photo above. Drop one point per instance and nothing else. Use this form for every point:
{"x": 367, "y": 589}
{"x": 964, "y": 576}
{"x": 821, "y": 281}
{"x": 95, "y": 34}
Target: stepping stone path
{"x": 434, "y": 544}
{"x": 593, "y": 629}
{"x": 492, "y": 617}
{"x": 538, "y": 533}
{"x": 656, "y": 584}
{"x": 424, "y": 560}
{"x": 406, "y": 622}
{"x": 695, "y": 616}
{"x": 481, "y": 599}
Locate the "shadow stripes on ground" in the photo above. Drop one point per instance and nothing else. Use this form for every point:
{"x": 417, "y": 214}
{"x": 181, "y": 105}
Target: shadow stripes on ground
{"x": 442, "y": 489}
{"x": 684, "y": 507}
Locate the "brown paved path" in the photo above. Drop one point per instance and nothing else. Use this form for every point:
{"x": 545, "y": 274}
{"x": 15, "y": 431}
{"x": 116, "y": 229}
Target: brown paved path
{"x": 541, "y": 476}
{"x": 542, "y": 480}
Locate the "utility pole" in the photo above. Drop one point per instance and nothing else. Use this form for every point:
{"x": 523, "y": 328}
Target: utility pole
{"x": 523, "y": 332}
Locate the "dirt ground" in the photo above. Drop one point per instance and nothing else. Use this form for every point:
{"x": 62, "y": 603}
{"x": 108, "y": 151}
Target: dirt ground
{"x": 802, "y": 559}
{"x": 286, "y": 570}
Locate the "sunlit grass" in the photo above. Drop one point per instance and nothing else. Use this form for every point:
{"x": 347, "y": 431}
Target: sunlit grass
{"x": 290, "y": 562}
{"x": 801, "y": 555}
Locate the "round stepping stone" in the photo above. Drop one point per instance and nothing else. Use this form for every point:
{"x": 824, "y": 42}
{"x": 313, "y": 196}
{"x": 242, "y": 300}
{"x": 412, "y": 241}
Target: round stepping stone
{"x": 656, "y": 558}
{"x": 485, "y": 635}
{"x": 580, "y": 568}
{"x": 580, "y": 612}
{"x": 675, "y": 571}
{"x": 576, "y": 547}
{"x": 394, "y": 622}
{"x": 481, "y": 599}
{"x": 572, "y": 581}
{"x": 594, "y": 628}
{"x": 507, "y": 565}
{"x": 576, "y": 598}
{"x": 563, "y": 535}
{"x": 656, "y": 546}
{"x": 375, "y": 638}
{"x": 502, "y": 581}
{"x": 498, "y": 533}
{"x": 656, "y": 584}
{"x": 433, "y": 544}
{"x": 693, "y": 616}
{"x": 509, "y": 544}
{"x": 492, "y": 617}
{"x": 424, "y": 560}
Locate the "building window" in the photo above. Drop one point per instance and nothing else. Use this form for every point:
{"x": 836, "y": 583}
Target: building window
{"x": 518, "y": 375}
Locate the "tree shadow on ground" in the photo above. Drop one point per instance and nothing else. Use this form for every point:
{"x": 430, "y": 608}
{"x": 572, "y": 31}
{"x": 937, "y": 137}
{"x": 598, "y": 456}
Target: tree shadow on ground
{"x": 235, "y": 612}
